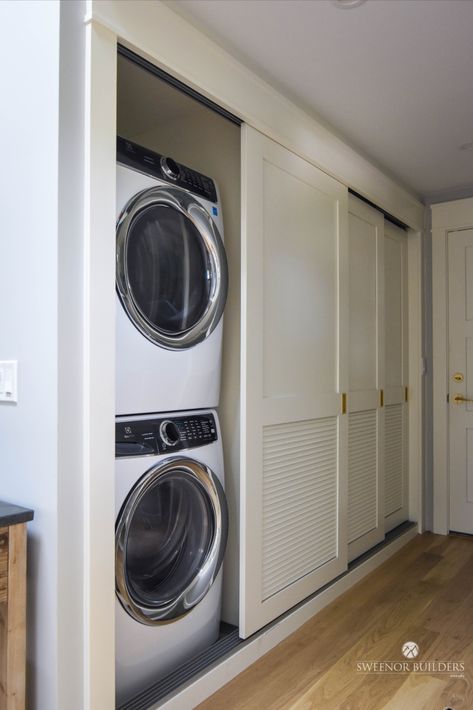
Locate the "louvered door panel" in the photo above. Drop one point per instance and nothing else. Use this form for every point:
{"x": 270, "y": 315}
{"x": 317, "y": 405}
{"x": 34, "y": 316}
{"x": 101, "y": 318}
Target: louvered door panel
{"x": 299, "y": 500}
{"x": 395, "y": 472}
{"x": 294, "y": 345}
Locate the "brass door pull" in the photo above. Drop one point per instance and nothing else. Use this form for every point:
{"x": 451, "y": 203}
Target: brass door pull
{"x": 459, "y": 398}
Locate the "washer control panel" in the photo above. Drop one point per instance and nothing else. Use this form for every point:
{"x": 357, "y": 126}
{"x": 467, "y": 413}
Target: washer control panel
{"x": 165, "y": 168}
{"x": 163, "y": 435}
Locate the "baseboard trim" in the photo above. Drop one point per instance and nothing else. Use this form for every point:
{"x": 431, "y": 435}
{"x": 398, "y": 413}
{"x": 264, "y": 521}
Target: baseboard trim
{"x": 227, "y": 668}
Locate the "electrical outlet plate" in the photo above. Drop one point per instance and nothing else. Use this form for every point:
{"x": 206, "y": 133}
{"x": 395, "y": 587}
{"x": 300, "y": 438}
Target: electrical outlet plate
{"x": 8, "y": 381}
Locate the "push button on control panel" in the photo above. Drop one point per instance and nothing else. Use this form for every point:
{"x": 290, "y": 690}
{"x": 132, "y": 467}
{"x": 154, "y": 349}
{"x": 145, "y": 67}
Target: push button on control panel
{"x": 197, "y": 430}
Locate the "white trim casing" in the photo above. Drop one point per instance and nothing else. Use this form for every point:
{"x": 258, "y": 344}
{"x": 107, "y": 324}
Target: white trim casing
{"x": 70, "y": 518}
{"x": 440, "y": 410}
{"x": 99, "y": 369}
{"x": 446, "y": 217}
{"x": 415, "y": 388}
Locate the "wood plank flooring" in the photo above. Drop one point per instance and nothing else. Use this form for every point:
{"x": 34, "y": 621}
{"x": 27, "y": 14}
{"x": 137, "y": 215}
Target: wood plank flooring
{"x": 423, "y": 594}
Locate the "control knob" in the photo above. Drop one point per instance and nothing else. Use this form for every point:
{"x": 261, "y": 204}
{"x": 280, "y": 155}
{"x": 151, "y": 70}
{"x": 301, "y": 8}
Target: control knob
{"x": 170, "y": 168}
{"x": 169, "y": 432}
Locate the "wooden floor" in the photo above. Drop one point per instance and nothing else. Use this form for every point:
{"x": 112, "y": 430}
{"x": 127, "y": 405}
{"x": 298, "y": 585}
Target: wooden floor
{"x": 422, "y": 594}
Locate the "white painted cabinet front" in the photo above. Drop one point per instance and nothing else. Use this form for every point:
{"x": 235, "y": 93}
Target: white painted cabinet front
{"x": 366, "y": 359}
{"x": 396, "y": 499}
{"x": 294, "y": 370}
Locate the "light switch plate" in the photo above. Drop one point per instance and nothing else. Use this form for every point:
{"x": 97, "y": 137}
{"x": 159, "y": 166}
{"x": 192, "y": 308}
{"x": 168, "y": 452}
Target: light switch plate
{"x": 8, "y": 381}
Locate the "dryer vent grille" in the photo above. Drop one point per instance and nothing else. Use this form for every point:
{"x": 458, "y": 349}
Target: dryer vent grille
{"x": 149, "y": 698}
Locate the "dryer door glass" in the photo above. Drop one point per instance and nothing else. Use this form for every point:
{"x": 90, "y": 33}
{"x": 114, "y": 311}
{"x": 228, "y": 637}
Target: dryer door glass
{"x": 169, "y": 269}
{"x": 171, "y": 535}
{"x": 172, "y": 275}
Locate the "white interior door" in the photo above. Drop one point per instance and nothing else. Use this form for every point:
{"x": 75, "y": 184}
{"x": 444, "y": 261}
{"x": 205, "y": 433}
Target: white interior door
{"x": 294, "y": 345}
{"x": 396, "y": 377}
{"x": 460, "y": 357}
{"x": 366, "y": 378}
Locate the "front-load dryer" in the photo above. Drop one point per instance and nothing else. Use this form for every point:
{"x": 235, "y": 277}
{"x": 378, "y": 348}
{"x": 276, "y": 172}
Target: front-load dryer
{"x": 172, "y": 281}
{"x": 170, "y": 538}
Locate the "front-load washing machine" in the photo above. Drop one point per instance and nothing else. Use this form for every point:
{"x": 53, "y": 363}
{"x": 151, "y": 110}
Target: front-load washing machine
{"x": 172, "y": 280}
{"x": 170, "y": 538}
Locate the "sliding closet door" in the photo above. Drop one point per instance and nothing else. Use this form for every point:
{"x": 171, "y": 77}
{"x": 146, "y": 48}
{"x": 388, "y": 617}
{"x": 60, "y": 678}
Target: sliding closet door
{"x": 396, "y": 393}
{"x": 294, "y": 345}
{"x": 366, "y": 378}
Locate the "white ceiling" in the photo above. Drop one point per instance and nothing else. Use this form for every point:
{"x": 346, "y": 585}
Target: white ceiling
{"x": 394, "y": 78}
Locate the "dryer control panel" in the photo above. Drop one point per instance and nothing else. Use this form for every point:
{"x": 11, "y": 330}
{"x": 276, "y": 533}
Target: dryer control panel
{"x": 146, "y": 437}
{"x": 163, "y": 168}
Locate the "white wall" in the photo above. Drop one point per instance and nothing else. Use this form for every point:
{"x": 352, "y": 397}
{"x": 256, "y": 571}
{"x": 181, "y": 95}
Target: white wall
{"x": 29, "y": 59}
{"x": 35, "y": 301}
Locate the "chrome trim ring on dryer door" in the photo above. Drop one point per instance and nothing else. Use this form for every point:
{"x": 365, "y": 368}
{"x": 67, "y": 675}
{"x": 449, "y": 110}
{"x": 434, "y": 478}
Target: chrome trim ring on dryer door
{"x": 170, "y": 543}
{"x": 181, "y": 312}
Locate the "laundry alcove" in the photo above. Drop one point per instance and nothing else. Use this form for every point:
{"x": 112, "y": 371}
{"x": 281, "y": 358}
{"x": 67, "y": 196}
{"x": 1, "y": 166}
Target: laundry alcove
{"x": 164, "y": 117}
{"x": 269, "y": 115}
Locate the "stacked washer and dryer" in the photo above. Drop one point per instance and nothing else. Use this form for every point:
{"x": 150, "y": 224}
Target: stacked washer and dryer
{"x": 171, "y": 511}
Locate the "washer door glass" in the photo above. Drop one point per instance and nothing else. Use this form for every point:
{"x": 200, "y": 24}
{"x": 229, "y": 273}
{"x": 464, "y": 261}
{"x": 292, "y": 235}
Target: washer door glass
{"x": 171, "y": 535}
{"x": 171, "y": 267}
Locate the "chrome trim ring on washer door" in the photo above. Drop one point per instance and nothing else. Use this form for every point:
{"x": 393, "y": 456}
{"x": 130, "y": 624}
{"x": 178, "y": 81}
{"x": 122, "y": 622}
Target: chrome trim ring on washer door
{"x": 170, "y": 540}
{"x": 172, "y": 274}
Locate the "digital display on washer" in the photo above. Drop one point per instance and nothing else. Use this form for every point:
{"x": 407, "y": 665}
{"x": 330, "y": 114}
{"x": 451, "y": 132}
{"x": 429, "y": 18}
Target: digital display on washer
{"x": 163, "y": 435}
